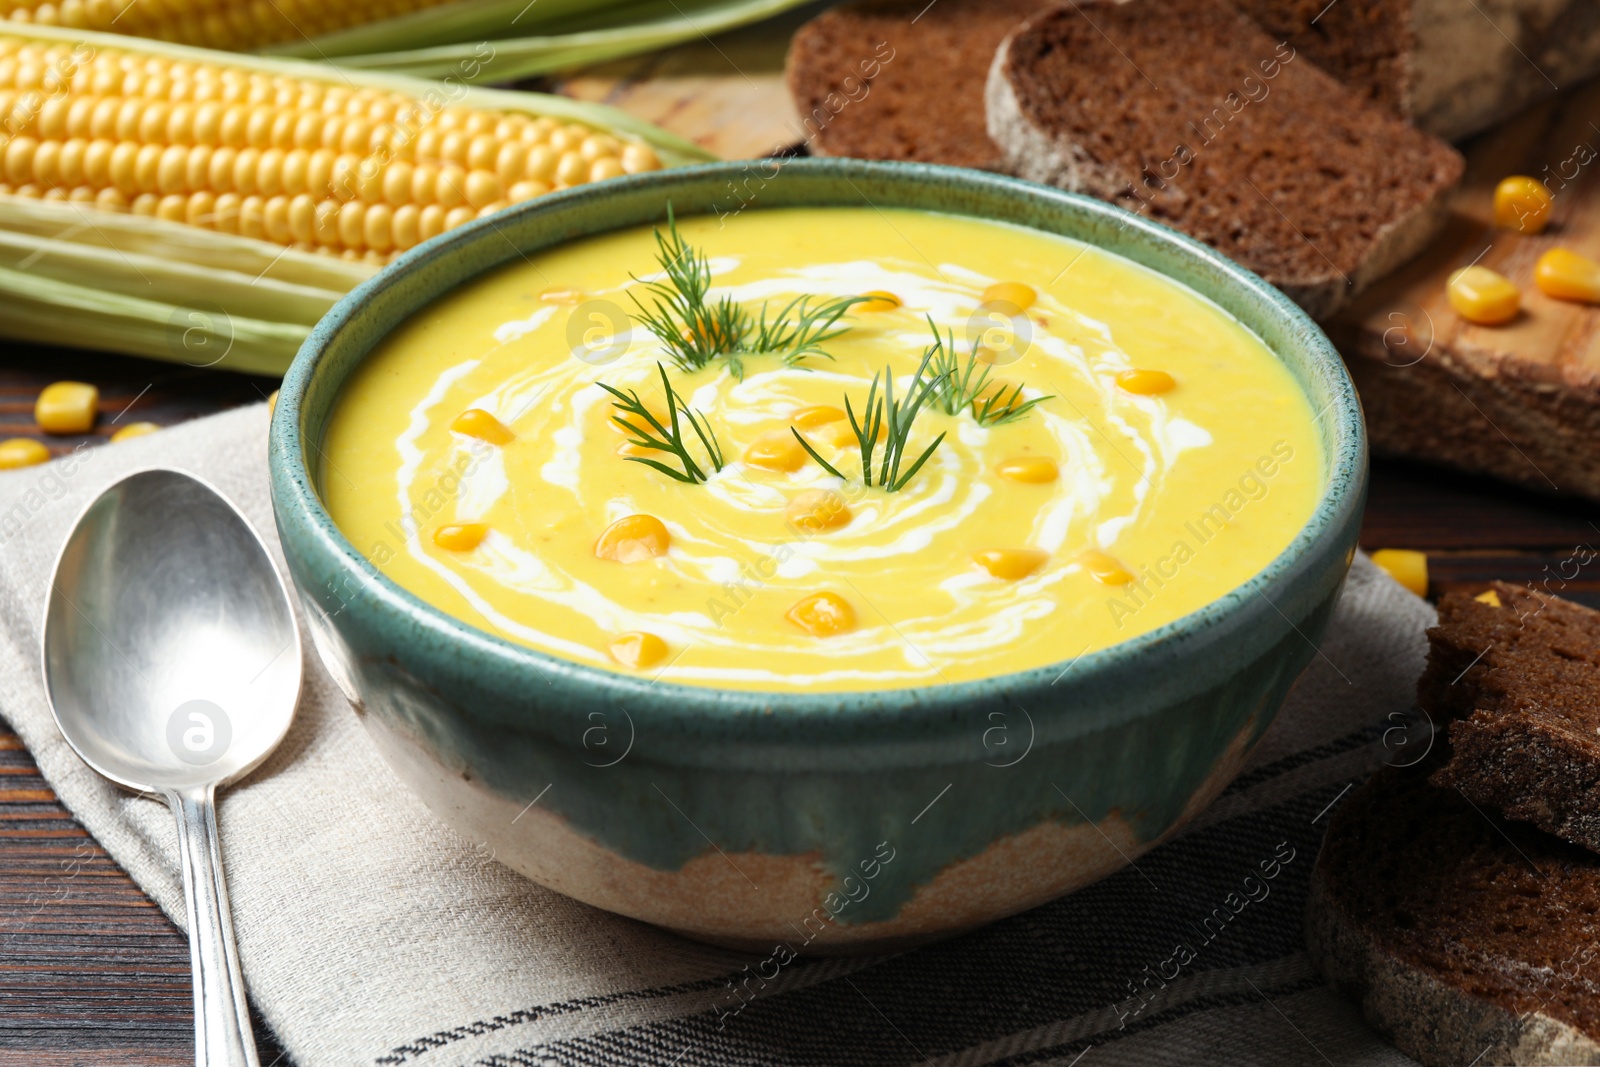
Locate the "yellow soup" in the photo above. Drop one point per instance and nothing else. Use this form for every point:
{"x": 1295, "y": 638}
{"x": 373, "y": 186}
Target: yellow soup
{"x": 474, "y": 456}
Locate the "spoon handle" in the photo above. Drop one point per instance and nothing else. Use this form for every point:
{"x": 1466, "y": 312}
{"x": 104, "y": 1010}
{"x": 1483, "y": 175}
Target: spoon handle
{"x": 222, "y": 1035}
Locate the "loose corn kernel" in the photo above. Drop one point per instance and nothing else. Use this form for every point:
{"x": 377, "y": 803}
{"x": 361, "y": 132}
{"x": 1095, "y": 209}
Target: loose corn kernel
{"x": 1033, "y": 470}
{"x": 1565, "y": 275}
{"x": 823, "y": 615}
{"x": 475, "y": 422}
{"x": 461, "y": 537}
{"x": 776, "y": 450}
{"x": 1104, "y": 568}
{"x": 1011, "y": 564}
{"x": 1142, "y": 382}
{"x": 1522, "y": 204}
{"x": 1016, "y": 294}
{"x": 816, "y": 510}
{"x": 135, "y": 429}
{"x": 1489, "y": 597}
{"x": 638, "y": 650}
{"x": 878, "y": 301}
{"x": 820, "y": 415}
{"x": 22, "y": 452}
{"x": 633, "y": 538}
{"x": 1482, "y": 296}
{"x": 1408, "y": 568}
{"x": 67, "y": 407}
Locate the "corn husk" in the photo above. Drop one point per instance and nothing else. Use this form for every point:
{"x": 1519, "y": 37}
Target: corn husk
{"x": 524, "y": 39}
{"x": 165, "y": 290}
{"x": 73, "y": 275}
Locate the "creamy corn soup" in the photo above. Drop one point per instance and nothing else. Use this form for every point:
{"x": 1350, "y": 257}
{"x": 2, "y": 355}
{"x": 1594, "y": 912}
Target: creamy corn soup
{"x": 1109, "y": 451}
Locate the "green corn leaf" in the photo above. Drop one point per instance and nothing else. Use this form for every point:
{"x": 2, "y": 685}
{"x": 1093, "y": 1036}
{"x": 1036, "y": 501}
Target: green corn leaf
{"x": 453, "y": 23}
{"x": 49, "y": 311}
{"x": 526, "y": 38}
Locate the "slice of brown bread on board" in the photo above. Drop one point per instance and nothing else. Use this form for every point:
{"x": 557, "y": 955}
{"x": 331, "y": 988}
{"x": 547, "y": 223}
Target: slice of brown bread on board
{"x": 901, "y": 79}
{"x": 1185, "y": 111}
{"x": 1517, "y": 676}
{"x": 1441, "y": 63}
{"x": 1466, "y": 941}
{"x": 1453, "y": 67}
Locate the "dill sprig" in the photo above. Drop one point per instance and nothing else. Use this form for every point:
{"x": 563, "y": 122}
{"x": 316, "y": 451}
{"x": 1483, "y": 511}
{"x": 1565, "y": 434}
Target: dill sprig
{"x": 893, "y": 418}
{"x": 804, "y": 336}
{"x": 650, "y": 432}
{"x": 695, "y": 330}
{"x": 966, "y": 387}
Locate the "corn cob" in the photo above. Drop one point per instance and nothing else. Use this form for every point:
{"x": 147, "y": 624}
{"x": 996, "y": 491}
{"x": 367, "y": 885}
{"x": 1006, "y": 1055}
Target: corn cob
{"x": 142, "y": 180}
{"x": 289, "y": 160}
{"x": 233, "y": 25}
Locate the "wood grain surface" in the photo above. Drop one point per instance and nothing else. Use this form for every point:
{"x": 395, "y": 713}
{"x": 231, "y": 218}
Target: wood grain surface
{"x": 91, "y": 973}
{"x": 1558, "y": 141}
{"x": 1519, "y": 401}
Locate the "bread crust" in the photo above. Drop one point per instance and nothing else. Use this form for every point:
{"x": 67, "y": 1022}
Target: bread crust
{"x": 900, "y": 79}
{"x": 1428, "y": 1019}
{"x": 1475, "y": 63}
{"x": 1033, "y": 153}
{"x": 1415, "y": 172}
{"x": 1519, "y": 682}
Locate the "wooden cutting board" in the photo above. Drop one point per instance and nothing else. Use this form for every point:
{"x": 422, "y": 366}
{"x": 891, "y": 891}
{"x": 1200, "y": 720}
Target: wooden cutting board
{"x": 727, "y": 95}
{"x": 1519, "y": 401}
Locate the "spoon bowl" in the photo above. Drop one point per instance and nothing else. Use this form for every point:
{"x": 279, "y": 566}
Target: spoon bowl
{"x": 172, "y": 663}
{"x": 171, "y": 653}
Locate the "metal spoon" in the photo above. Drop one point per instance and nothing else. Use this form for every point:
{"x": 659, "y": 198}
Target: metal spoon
{"x": 172, "y": 664}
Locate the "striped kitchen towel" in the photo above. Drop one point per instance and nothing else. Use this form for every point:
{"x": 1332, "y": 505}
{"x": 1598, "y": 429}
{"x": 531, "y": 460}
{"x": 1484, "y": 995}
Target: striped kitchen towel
{"x": 372, "y": 935}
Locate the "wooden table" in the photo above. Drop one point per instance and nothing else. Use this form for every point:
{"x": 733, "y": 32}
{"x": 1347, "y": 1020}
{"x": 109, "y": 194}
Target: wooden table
{"x": 92, "y": 973}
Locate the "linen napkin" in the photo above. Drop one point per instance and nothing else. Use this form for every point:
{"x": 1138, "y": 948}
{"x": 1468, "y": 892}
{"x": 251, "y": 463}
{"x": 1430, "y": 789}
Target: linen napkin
{"x": 373, "y": 935}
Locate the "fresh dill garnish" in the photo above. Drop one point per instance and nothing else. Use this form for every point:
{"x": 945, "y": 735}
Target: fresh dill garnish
{"x": 650, "y": 432}
{"x": 795, "y": 340}
{"x": 892, "y": 419}
{"x": 1000, "y": 406}
{"x": 696, "y": 330}
{"x": 693, "y": 331}
{"x": 967, "y": 388}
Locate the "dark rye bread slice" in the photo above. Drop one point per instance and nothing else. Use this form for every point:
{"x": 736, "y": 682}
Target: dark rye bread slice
{"x": 1439, "y": 63}
{"x": 1520, "y": 684}
{"x": 1454, "y": 67}
{"x": 901, "y": 79}
{"x": 1185, "y": 111}
{"x": 1367, "y": 44}
{"x": 1466, "y": 941}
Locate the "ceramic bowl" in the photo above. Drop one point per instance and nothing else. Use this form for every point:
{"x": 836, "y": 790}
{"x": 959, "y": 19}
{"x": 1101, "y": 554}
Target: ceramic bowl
{"x": 824, "y": 821}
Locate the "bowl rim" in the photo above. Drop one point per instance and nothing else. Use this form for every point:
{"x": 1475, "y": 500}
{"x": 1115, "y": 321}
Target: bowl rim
{"x": 296, "y": 501}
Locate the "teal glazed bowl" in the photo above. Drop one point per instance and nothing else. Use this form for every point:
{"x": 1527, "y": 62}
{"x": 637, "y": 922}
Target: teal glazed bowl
{"x": 811, "y": 821}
